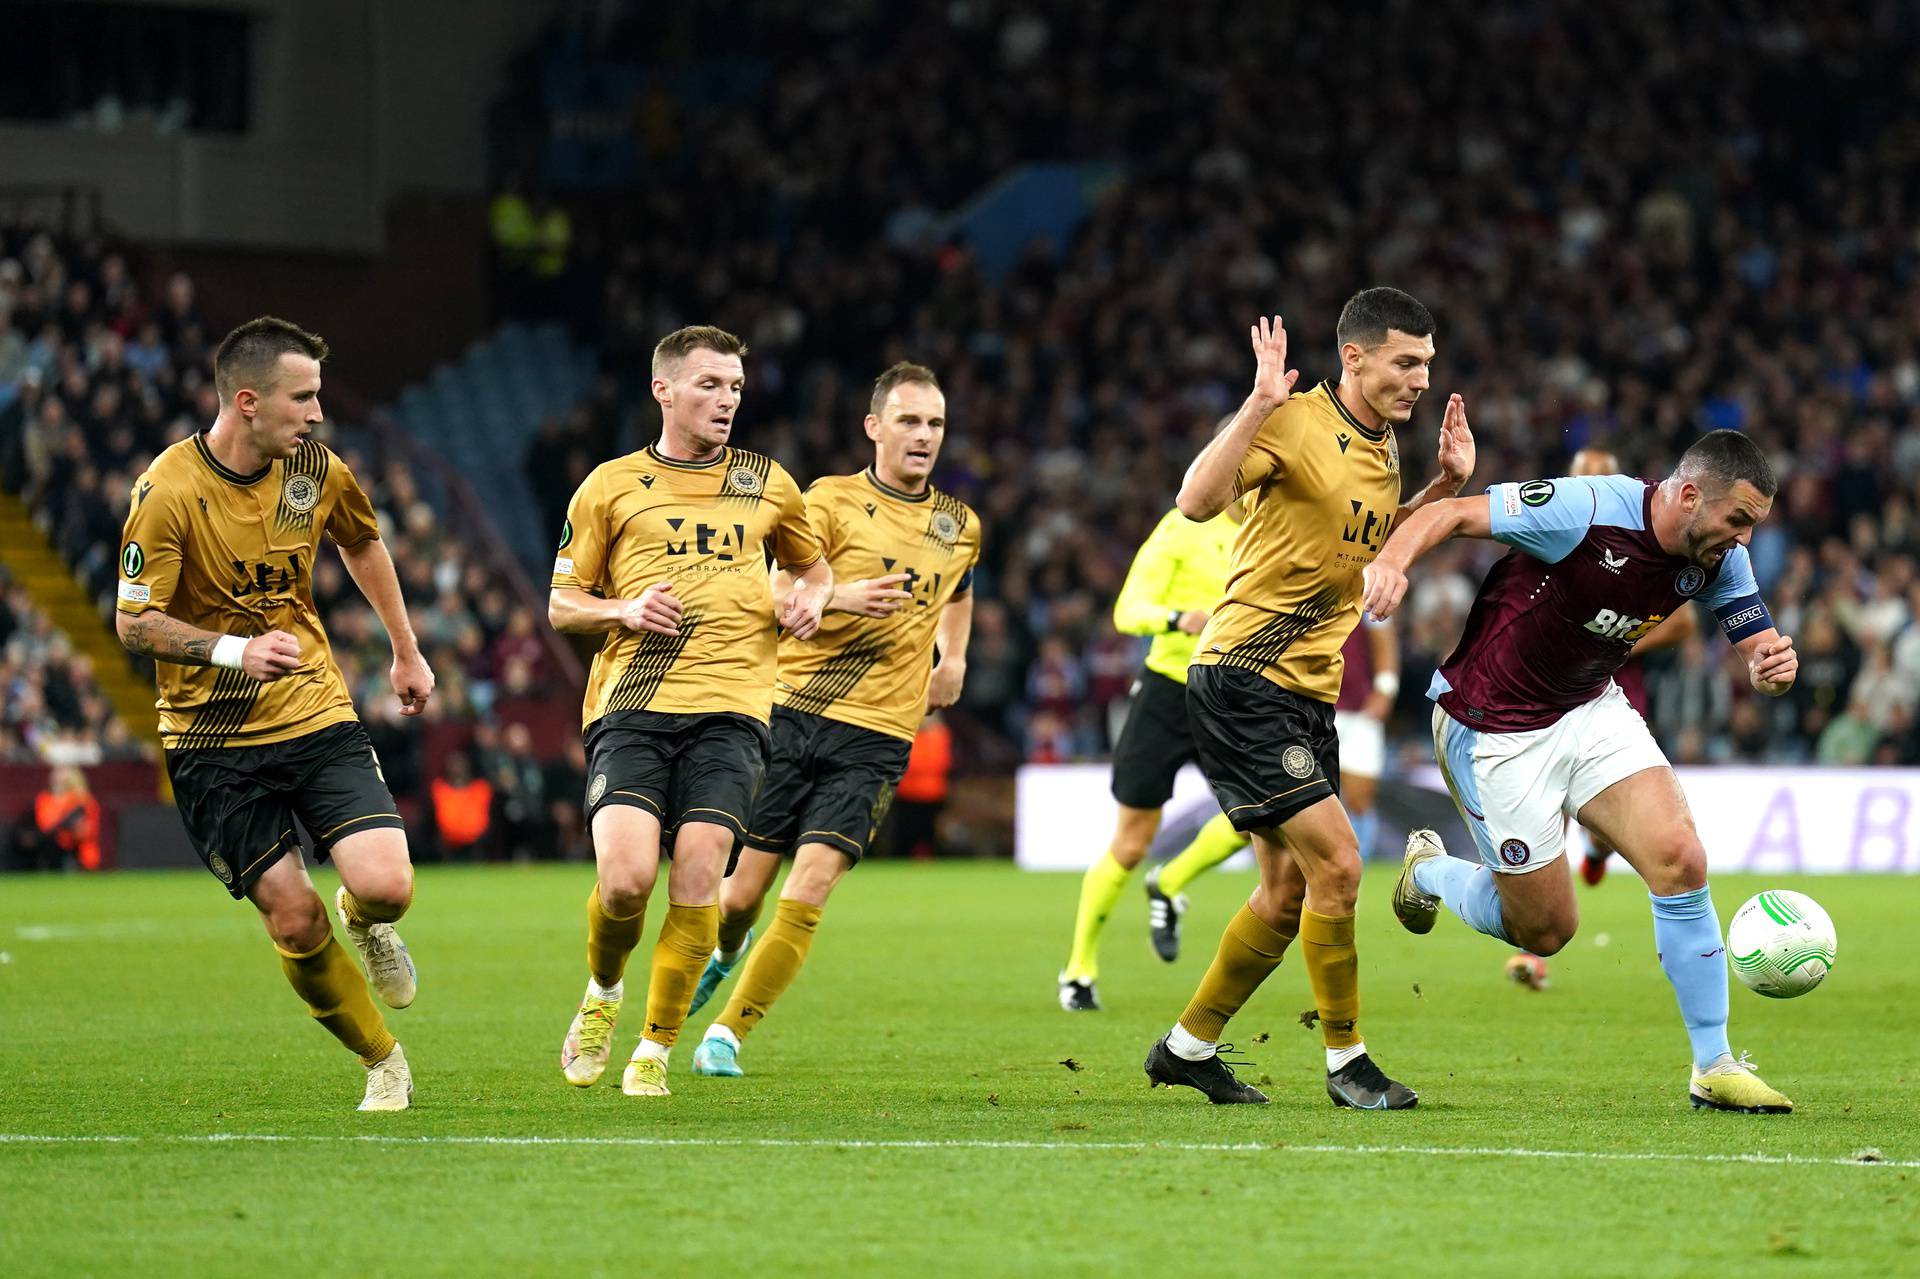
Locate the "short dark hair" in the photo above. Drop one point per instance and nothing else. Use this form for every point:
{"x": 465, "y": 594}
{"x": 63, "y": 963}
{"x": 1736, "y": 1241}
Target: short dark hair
{"x": 1371, "y": 313}
{"x": 1719, "y": 460}
{"x": 681, "y": 343}
{"x": 249, "y": 356}
{"x": 900, "y": 374}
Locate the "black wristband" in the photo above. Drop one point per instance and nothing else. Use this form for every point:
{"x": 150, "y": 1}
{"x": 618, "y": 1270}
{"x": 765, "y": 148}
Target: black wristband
{"x": 1173, "y": 619}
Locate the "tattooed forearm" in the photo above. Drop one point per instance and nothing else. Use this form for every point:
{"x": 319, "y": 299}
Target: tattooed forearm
{"x": 164, "y": 639}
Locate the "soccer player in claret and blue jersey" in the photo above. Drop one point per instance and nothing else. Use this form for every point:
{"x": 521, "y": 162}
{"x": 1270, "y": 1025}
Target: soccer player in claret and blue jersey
{"x": 1530, "y": 723}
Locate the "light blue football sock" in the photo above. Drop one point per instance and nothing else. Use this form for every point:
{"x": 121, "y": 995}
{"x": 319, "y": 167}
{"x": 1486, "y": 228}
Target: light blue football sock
{"x": 1694, "y": 956}
{"x": 1468, "y": 891}
{"x": 1366, "y": 830}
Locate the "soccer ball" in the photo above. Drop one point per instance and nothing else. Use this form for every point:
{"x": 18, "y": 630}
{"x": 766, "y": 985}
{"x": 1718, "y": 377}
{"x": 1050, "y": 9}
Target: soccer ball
{"x": 1781, "y": 944}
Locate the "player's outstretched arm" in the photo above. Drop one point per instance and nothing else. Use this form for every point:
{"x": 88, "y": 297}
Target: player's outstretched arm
{"x": 371, "y": 568}
{"x": 950, "y": 637}
{"x": 1384, "y": 582}
{"x": 1209, "y": 483}
{"x": 800, "y": 611}
{"x": 168, "y": 639}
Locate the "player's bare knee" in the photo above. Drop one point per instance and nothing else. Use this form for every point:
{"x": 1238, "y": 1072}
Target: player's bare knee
{"x": 1278, "y": 907}
{"x": 1679, "y": 865}
{"x": 386, "y": 888}
{"x": 624, "y": 891}
{"x": 811, "y": 881}
{"x": 1547, "y": 934}
{"x": 298, "y": 925}
{"x": 1133, "y": 832}
{"x": 699, "y": 866}
{"x": 1689, "y": 866}
{"x": 1130, "y": 843}
{"x": 1545, "y": 940}
{"x": 739, "y": 901}
{"x": 1335, "y": 881}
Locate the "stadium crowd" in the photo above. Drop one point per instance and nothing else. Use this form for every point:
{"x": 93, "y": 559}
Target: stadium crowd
{"x": 1731, "y": 245}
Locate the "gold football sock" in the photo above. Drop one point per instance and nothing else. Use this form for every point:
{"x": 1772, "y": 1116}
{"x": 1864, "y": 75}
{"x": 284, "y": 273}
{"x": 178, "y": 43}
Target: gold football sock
{"x": 362, "y": 915}
{"x": 610, "y": 940}
{"x": 1099, "y": 890}
{"x": 337, "y": 996}
{"x": 772, "y": 966}
{"x": 1333, "y": 969}
{"x": 1249, "y": 950}
{"x": 686, "y": 939}
{"x": 1215, "y": 842}
{"x": 733, "y": 932}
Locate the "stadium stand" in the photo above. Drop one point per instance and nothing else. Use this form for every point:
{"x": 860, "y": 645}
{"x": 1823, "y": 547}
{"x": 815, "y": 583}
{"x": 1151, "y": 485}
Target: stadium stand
{"x": 1729, "y": 246}
{"x": 1620, "y": 271}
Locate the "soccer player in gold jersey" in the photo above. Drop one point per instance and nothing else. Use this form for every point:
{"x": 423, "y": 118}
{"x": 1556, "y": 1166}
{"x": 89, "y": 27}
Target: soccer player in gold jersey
{"x": 216, "y": 584}
{"x": 664, "y": 553}
{"x": 850, "y": 699}
{"x": 1266, "y": 673}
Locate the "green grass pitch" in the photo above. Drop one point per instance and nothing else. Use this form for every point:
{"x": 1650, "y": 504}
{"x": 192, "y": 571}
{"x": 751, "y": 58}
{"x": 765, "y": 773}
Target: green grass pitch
{"x": 919, "y": 1105}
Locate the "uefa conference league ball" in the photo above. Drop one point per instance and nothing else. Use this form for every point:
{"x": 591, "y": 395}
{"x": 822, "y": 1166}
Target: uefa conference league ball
{"x": 1781, "y": 944}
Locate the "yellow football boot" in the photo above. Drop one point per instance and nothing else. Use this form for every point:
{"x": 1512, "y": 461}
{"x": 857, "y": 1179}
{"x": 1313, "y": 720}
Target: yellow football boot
{"x": 1731, "y": 1085}
{"x": 583, "y": 1057}
{"x": 645, "y": 1077}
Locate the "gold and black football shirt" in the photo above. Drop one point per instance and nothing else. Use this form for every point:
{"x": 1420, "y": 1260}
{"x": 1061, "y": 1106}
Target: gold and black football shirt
{"x": 234, "y": 554}
{"x": 705, "y": 528}
{"x": 1327, "y": 490}
{"x": 873, "y": 672}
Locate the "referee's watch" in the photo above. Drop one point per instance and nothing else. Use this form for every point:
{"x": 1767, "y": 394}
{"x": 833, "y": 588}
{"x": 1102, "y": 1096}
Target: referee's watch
{"x": 1173, "y": 619}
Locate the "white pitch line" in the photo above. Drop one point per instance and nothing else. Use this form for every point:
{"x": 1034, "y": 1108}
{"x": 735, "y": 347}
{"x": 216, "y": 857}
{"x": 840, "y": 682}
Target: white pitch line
{"x": 1222, "y": 1147}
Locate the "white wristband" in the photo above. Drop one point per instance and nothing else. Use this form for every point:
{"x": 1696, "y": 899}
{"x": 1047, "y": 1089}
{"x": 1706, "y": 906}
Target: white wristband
{"x": 1387, "y": 683}
{"x": 227, "y": 651}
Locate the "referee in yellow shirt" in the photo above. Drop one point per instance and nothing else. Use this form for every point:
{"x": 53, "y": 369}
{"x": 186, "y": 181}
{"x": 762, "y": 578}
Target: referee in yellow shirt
{"x": 1178, "y": 575}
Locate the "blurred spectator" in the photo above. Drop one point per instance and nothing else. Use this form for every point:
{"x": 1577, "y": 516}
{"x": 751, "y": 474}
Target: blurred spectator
{"x": 566, "y": 787}
{"x": 520, "y": 789}
{"x": 67, "y": 817}
{"x": 922, "y": 792}
{"x": 462, "y": 810}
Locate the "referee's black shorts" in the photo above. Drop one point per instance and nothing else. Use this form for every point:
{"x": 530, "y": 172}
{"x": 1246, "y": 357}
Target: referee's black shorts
{"x": 1268, "y": 753}
{"x": 1155, "y": 741}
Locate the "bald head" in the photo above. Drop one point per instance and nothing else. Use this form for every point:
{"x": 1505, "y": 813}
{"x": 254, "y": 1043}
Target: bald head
{"x": 1594, "y": 462}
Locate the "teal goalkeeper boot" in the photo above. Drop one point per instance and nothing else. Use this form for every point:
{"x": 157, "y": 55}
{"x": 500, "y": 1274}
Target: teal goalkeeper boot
{"x": 718, "y": 1054}
{"x": 714, "y": 973}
